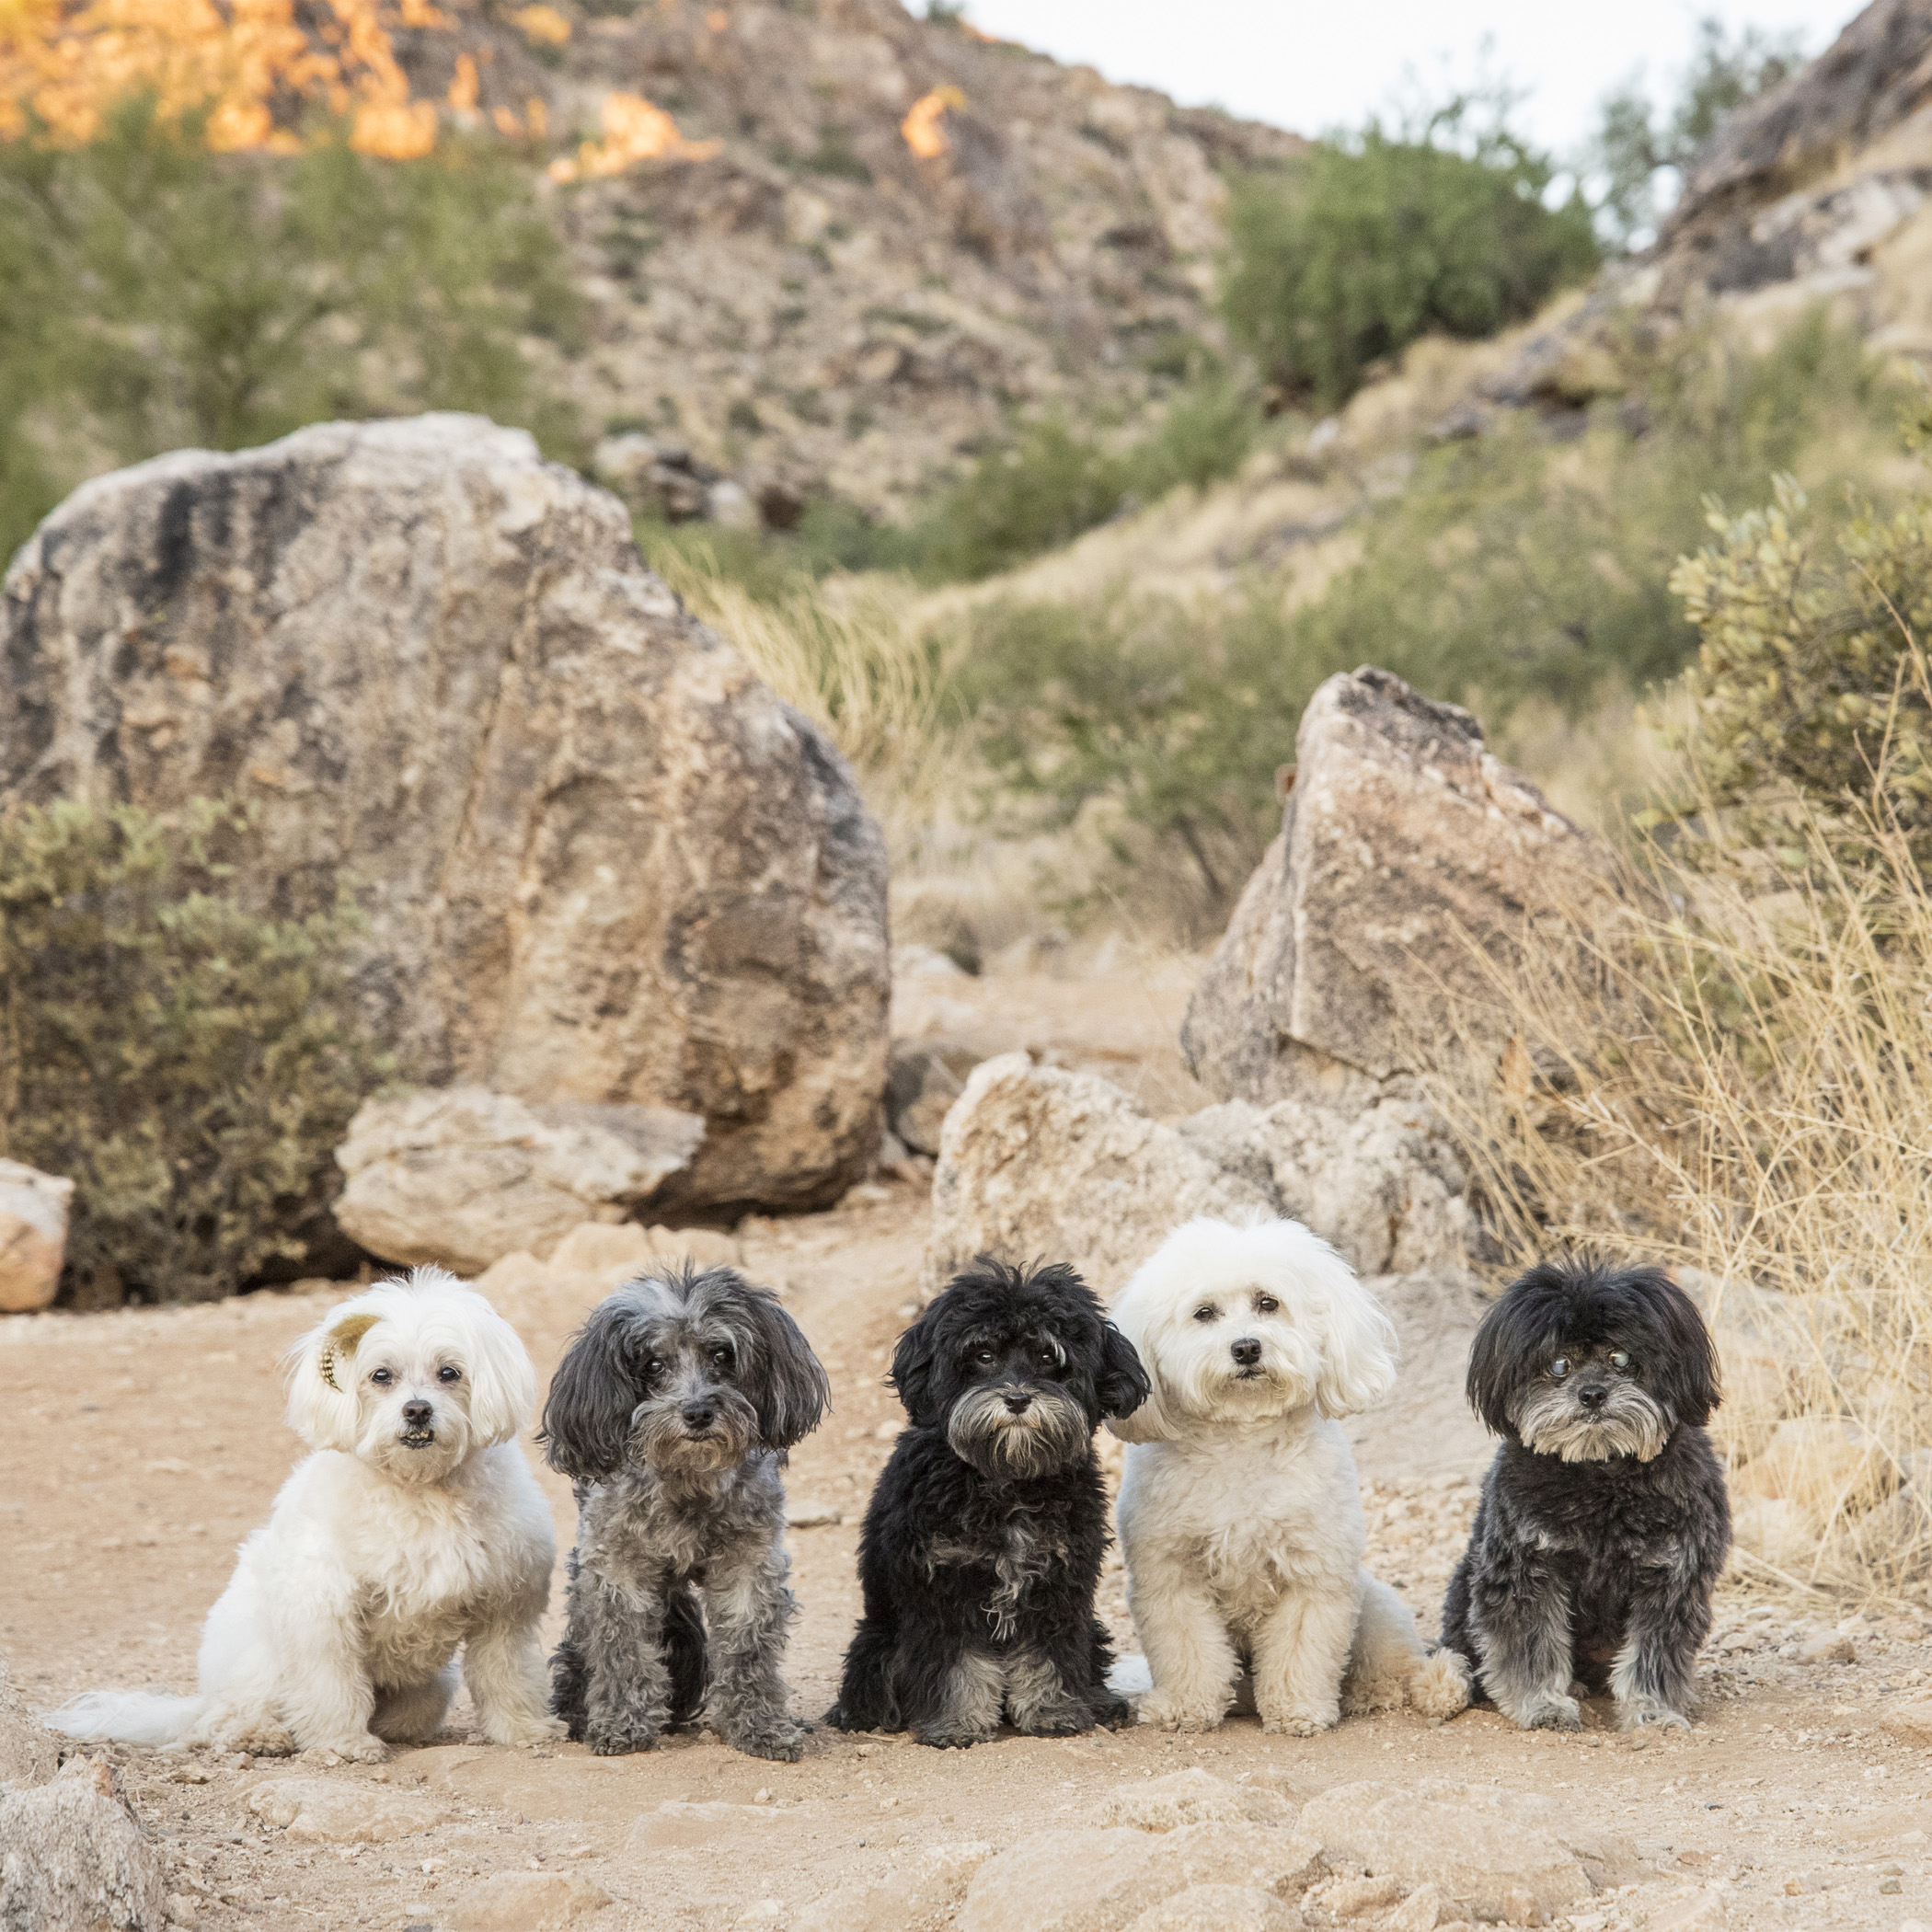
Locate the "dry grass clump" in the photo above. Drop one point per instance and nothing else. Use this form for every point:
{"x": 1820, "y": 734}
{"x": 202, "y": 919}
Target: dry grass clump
{"x": 1737, "y": 1078}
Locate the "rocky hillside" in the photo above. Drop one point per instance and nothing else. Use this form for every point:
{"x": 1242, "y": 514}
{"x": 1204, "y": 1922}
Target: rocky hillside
{"x": 862, "y": 238}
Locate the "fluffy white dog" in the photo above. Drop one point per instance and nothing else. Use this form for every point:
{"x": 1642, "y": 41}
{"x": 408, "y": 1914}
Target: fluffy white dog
{"x": 1240, "y": 1515}
{"x": 415, "y": 1526}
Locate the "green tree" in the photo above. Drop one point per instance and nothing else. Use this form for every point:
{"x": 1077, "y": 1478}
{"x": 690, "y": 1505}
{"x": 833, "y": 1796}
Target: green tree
{"x": 1362, "y": 245}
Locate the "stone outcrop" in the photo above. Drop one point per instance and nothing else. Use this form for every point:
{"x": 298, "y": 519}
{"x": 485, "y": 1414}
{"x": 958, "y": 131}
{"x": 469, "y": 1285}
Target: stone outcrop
{"x": 322, "y": 1811}
{"x": 30, "y": 1753}
{"x": 1037, "y": 1160}
{"x": 33, "y": 1236}
{"x": 73, "y": 1860}
{"x": 599, "y": 861}
{"x": 1407, "y": 853}
{"x": 463, "y": 1176}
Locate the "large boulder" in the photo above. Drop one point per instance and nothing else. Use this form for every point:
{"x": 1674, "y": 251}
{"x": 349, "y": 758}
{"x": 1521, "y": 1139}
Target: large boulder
{"x": 601, "y": 861}
{"x": 33, "y": 1236}
{"x": 1407, "y": 852}
{"x": 463, "y": 1176}
{"x": 73, "y": 1860}
{"x": 1037, "y": 1160}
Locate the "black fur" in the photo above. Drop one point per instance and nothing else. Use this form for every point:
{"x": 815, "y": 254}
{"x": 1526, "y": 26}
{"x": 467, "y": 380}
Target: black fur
{"x": 1599, "y": 1569}
{"x": 673, "y": 1411}
{"x": 983, "y": 1540}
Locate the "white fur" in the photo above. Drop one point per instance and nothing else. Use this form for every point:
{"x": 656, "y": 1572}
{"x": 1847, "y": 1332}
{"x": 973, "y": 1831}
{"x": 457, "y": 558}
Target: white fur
{"x": 339, "y": 1626}
{"x": 1240, "y": 1513}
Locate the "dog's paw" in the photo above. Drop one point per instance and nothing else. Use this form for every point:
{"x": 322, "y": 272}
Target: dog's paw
{"x": 619, "y": 1743}
{"x": 367, "y": 1749}
{"x": 1649, "y": 1713}
{"x": 1165, "y": 1711}
{"x": 951, "y": 1739}
{"x": 783, "y": 1743}
{"x": 1300, "y": 1724}
{"x": 1549, "y": 1710}
{"x": 261, "y": 1740}
{"x": 523, "y": 1733}
{"x": 1111, "y": 1713}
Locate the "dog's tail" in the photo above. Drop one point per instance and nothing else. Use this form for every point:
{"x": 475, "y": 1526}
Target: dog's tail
{"x": 126, "y": 1718}
{"x": 1390, "y": 1665}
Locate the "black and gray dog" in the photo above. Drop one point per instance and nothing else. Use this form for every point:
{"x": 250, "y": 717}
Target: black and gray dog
{"x": 983, "y": 1541}
{"x": 671, "y": 1413}
{"x": 1603, "y": 1523}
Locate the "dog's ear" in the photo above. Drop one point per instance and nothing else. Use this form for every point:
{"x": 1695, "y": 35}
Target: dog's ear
{"x": 1678, "y": 1360}
{"x": 1358, "y": 1357}
{"x": 915, "y": 1361}
{"x": 322, "y": 1380}
{"x": 1147, "y": 1420}
{"x": 593, "y": 1395}
{"x": 503, "y": 1381}
{"x": 787, "y": 1382}
{"x": 1122, "y": 1385}
{"x": 1507, "y": 1340}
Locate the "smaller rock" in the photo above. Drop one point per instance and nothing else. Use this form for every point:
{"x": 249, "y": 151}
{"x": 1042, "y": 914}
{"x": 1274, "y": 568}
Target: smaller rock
{"x": 523, "y": 1901}
{"x": 33, "y": 1236}
{"x": 1220, "y": 1908}
{"x": 1191, "y": 1796}
{"x": 917, "y": 1896}
{"x": 1354, "y": 1898}
{"x": 802, "y": 1515}
{"x": 1910, "y": 1722}
{"x": 462, "y": 1177}
{"x": 73, "y": 1860}
{"x": 1826, "y": 1647}
{"x": 921, "y": 1086}
{"x": 29, "y": 1754}
{"x": 320, "y": 1811}
{"x": 183, "y": 1909}
{"x": 1423, "y": 1910}
{"x": 679, "y": 1822}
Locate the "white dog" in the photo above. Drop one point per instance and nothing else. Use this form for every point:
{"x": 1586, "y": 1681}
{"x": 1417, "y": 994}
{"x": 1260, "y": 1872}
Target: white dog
{"x": 415, "y": 1526}
{"x": 1240, "y": 1515}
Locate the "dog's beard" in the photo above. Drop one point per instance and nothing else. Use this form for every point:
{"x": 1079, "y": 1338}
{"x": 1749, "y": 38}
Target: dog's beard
{"x": 1551, "y": 1422}
{"x": 1048, "y": 1434}
{"x": 661, "y": 1440}
{"x": 1210, "y": 1384}
{"x": 410, "y": 1455}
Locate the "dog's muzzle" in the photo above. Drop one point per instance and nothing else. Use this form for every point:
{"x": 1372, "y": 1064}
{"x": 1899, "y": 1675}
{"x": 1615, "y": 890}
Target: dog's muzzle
{"x": 1012, "y": 1433}
{"x": 1591, "y": 1421}
{"x": 419, "y": 1429}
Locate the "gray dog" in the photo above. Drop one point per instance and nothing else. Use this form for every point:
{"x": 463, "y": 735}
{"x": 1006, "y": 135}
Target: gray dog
{"x": 672, "y": 1412}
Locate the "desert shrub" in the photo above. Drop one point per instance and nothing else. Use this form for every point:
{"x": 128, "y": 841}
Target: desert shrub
{"x": 1810, "y": 677}
{"x": 177, "y": 296}
{"x": 1362, "y": 245}
{"x": 190, "y": 1063}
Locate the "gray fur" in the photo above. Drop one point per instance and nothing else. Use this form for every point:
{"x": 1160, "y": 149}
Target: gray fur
{"x": 1005, "y": 1445}
{"x": 1552, "y": 1420}
{"x": 672, "y": 1409}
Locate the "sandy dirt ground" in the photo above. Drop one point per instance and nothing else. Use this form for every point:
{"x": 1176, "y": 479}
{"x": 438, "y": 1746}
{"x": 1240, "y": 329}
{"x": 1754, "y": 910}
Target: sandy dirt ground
{"x": 141, "y": 1445}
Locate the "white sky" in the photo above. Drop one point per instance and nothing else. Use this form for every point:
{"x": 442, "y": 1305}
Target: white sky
{"x": 1313, "y": 67}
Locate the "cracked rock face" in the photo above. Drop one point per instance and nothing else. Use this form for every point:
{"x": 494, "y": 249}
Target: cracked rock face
{"x": 601, "y": 861}
{"x": 1407, "y": 851}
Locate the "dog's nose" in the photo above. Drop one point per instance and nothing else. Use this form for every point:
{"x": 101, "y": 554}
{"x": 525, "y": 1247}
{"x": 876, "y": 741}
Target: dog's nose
{"x": 416, "y": 1414}
{"x": 1246, "y": 1352}
{"x": 1019, "y": 1400}
{"x": 697, "y": 1415}
{"x": 1592, "y": 1395}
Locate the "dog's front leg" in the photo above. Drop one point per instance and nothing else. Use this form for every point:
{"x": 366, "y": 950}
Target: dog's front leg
{"x": 1189, "y": 1654}
{"x": 1301, "y": 1654}
{"x": 749, "y": 1609}
{"x": 1519, "y": 1614}
{"x": 1669, "y": 1619}
{"x": 618, "y": 1630}
{"x": 503, "y": 1665}
{"x": 325, "y": 1692}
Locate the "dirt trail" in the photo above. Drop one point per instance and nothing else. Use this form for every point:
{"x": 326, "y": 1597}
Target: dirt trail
{"x": 143, "y": 1444}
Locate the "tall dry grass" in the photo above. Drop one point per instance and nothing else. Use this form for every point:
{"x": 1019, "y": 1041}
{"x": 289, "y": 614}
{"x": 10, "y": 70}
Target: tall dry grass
{"x": 1735, "y": 1075}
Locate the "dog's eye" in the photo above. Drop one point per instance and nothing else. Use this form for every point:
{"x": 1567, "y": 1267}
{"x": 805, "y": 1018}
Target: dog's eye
{"x": 1206, "y": 1312}
{"x": 1048, "y": 1358}
{"x": 722, "y": 1357}
{"x": 655, "y": 1366}
{"x": 1266, "y": 1304}
{"x": 382, "y": 1376}
{"x": 449, "y": 1375}
{"x": 984, "y": 1357}
{"x": 1559, "y": 1367}
{"x": 1620, "y": 1362}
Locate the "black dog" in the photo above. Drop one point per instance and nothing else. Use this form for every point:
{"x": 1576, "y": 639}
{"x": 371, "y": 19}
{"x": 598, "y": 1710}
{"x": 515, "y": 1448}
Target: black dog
{"x": 1603, "y": 1523}
{"x": 671, "y": 1410}
{"x": 983, "y": 1541}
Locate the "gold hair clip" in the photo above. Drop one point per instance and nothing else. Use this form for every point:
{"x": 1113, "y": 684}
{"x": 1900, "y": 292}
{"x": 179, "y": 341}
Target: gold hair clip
{"x": 344, "y": 1335}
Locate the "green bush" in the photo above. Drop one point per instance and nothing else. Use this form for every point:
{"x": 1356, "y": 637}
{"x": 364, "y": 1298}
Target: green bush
{"x": 1811, "y": 675}
{"x": 188, "y": 1062}
{"x": 1359, "y": 248}
{"x": 159, "y": 296}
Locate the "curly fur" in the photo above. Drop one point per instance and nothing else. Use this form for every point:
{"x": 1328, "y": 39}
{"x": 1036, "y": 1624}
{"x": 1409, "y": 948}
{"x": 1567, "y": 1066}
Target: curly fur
{"x": 415, "y": 1526}
{"x": 983, "y": 1540}
{"x": 1603, "y": 1523}
{"x": 1240, "y": 1515}
{"x": 672, "y": 1412}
